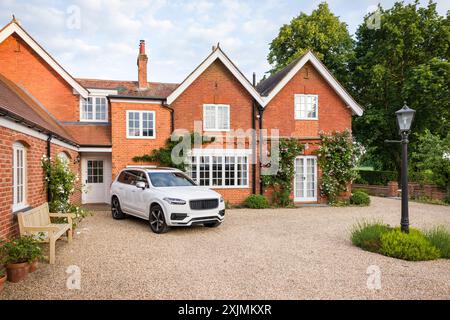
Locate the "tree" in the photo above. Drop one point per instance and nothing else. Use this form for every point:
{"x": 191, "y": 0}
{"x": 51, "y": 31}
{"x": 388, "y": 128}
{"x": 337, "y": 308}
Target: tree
{"x": 321, "y": 32}
{"x": 393, "y": 64}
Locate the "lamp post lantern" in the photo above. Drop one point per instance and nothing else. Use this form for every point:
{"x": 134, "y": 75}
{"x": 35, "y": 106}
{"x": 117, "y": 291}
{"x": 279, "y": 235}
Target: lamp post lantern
{"x": 405, "y": 118}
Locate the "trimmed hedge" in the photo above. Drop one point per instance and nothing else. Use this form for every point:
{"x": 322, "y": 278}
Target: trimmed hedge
{"x": 376, "y": 177}
{"x": 412, "y": 246}
{"x": 360, "y": 198}
{"x": 256, "y": 201}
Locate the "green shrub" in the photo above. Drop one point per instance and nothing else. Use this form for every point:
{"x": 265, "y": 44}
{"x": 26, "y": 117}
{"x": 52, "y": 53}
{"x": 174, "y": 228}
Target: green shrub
{"x": 360, "y": 198}
{"x": 447, "y": 199}
{"x": 367, "y": 235}
{"x": 440, "y": 238}
{"x": 377, "y": 177}
{"x": 412, "y": 246}
{"x": 22, "y": 249}
{"x": 256, "y": 201}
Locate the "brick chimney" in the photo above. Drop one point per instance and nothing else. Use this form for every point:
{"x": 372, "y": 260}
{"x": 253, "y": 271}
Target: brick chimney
{"x": 142, "y": 66}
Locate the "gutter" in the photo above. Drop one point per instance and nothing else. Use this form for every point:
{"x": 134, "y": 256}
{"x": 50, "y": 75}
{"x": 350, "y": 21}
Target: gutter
{"x": 172, "y": 116}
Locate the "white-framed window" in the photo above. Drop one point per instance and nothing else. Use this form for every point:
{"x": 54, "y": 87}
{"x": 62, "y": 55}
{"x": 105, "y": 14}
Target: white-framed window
{"x": 94, "y": 109}
{"x": 140, "y": 124}
{"x": 306, "y": 106}
{"x": 216, "y": 117}
{"x": 19, "y": 176}
{"x": 220, "y": 169}
{"x": 63, "y": 157}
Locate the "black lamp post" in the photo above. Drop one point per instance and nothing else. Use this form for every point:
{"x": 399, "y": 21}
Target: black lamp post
{"x": 405, "y": 118}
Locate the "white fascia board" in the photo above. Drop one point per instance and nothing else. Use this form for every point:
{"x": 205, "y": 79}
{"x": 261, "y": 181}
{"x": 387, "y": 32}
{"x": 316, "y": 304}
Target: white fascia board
{"x": 95, "y": 149}
{"x": 13, "y": 125}
{"x": 201, "y": 68}
{"x": 137, "y": 101}
{"x": 15, "y": 28}
{"x": 101, "y": 92}
{"x": 325, "y": 73}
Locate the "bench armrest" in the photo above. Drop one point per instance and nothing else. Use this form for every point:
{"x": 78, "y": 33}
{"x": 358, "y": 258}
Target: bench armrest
{"x": 68, "y": 216}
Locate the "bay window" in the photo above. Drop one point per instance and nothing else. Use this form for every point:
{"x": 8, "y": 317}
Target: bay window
{"x": 219, "y": 170}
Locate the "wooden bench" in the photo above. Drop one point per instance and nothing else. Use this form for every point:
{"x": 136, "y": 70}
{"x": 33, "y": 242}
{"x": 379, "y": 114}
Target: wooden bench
{"x": 37, "y": 222}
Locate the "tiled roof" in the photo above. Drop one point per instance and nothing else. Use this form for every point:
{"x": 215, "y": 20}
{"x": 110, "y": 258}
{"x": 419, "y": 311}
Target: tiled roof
{"x": 130, "y": 88}
{"x": 267, "y": 85}
{"x": 91, "y": 134}
{"x": 21, "y": 105}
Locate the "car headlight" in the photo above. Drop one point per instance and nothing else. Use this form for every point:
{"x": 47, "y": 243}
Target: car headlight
{"x": 221, "y": 199}
{"x": 175, "y": 201}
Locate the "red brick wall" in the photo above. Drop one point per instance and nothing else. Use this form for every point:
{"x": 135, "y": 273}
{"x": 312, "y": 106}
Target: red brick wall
{"x": 36, "y": 194}
{"x": 21, "y": 64}
{"x": 333, "y": 113}
{"x": 123, "y": 149}
{"x": 216, "y": 85}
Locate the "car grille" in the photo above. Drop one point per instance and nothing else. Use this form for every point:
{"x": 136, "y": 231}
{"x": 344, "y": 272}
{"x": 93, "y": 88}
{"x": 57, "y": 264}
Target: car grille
{"x": 204, "y": 204}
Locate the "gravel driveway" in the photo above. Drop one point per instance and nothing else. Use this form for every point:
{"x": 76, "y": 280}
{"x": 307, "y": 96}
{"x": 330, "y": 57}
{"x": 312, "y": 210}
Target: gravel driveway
{"x": 302, "y": 253}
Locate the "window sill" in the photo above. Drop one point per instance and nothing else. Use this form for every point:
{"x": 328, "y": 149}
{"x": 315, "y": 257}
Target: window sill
{"x": 307, "y": 119}
{"x": 20, "y": 208}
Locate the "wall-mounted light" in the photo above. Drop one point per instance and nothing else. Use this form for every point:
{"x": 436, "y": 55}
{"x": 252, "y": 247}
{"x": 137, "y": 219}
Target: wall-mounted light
{"x": 77, "y": 159}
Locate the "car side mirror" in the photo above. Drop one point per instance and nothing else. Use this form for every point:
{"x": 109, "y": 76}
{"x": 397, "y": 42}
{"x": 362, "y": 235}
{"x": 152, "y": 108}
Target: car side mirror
{"x": 141, "y": 185}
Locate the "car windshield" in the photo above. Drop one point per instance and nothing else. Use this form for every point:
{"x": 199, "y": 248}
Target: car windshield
{"x": 170, "y": 179}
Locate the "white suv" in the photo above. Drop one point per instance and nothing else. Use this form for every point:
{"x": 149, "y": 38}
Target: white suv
{"x": 165, "y": 197}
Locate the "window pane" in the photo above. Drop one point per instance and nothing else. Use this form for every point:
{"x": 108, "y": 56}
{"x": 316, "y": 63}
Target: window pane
{"x": 87, "y": 109}
{"x": 204, "y": 171}
{"x": 217, "y": 167}
{"x": 229, "y": 171}
{"x": 210, "y": 117}
{"x": 100, "y": 108}
{"x": 133, "y": 124}
{"x": 147, "y": 124}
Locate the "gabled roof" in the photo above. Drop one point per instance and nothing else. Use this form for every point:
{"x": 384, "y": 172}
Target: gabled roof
{"x": 130, "y": 88}
{"x": 216, "y": 54}
{"x": 270, "y": 87}
{"x": 18, "y": 104}
{"x": 14, "y": 27}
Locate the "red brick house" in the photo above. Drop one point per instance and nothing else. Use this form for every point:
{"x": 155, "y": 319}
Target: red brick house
{"x": 100, "y": 125}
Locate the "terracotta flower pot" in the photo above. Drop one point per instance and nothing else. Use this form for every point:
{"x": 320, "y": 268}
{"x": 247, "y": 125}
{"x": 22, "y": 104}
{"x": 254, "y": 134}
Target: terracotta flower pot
{"x": 33, "y": 266}
{"x": 2, "y": 282}
{"x": 17, "y": 271}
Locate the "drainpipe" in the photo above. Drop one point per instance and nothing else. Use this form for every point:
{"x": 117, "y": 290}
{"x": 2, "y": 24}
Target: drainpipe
{"x": 172, "y": 121}
{"x": 260, "y": 113}
{"x": 254, "y": 140}
{"x": 49, "y": 153}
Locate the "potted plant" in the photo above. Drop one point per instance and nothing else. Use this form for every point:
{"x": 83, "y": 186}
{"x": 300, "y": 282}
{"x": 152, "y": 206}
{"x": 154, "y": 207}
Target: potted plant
{"x": 2, "y": 278}
{"x": 16, "y": 256}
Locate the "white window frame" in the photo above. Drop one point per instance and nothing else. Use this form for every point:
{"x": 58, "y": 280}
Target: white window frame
{"x": 16, "y": 206}
{"x": 306, "y": 199}
{"x": 94, "y": 108}
{"x": 197, "y": 153}
{"x": 216, "y": 124}
{"x": 297, "y": 116}
{"x": 141, "y": 126}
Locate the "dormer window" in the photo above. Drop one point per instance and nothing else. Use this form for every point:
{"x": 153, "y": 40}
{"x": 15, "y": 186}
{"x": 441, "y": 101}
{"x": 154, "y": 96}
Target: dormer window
{"x": 94, "y": 109}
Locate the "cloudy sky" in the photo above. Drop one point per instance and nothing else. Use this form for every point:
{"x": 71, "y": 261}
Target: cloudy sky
{"x": 99, "y": 38}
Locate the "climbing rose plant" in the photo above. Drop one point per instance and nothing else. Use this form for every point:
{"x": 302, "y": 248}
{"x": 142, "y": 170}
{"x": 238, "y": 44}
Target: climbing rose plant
{"x": 337, "y": 157}
{"x": 61, "y": 182}
{"x": 281, "y": 182}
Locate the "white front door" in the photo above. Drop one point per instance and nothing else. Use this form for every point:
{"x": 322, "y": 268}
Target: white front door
{"x": 305, "y": 181}
{"x": 96, "y": 179}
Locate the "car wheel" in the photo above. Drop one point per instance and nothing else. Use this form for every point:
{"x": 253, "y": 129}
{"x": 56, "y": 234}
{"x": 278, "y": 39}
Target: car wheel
{"x": 116, "y": 211}
{"x": 212, "y": 224}
{"x": 157, "y": 220}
